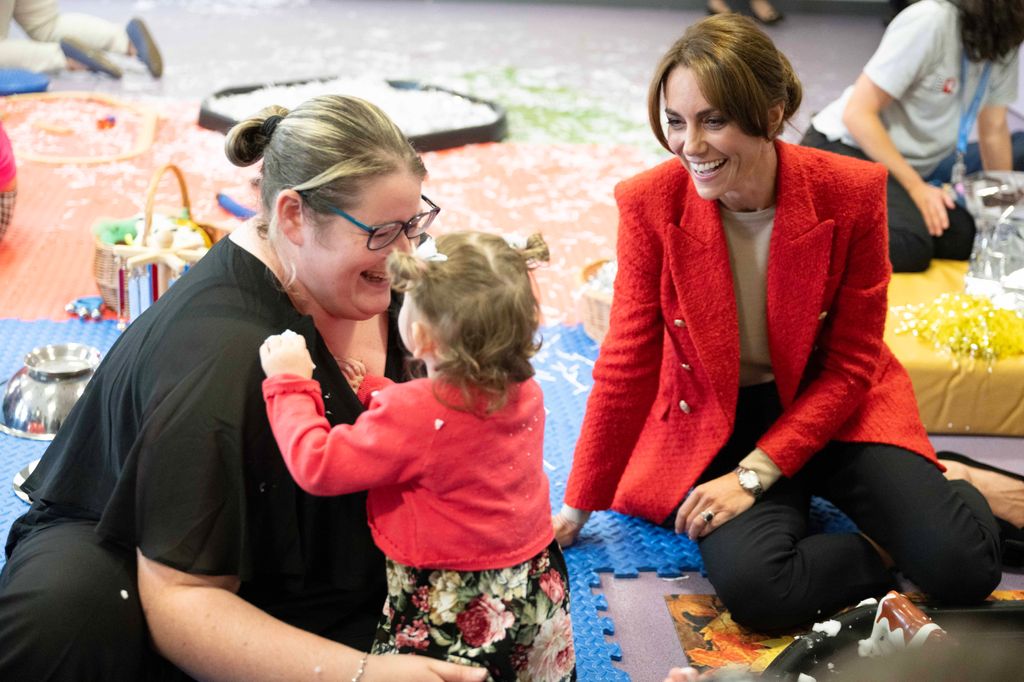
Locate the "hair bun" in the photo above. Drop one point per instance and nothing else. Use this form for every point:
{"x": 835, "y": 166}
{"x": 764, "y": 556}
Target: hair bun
{"x": 269, "y": 125}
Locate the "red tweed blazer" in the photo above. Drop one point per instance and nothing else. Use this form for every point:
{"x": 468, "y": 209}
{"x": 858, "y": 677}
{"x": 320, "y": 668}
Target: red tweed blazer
{"x": 667, "y": 378}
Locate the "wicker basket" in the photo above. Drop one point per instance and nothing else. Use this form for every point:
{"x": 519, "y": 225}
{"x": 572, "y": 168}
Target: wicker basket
{"x": 105, "y": 264}
{"x": 596, "y": 304}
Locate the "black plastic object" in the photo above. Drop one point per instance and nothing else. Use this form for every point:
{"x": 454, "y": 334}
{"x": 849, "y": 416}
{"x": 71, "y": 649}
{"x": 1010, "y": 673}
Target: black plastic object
{"x": 494, "y": 131}
{"x": 824, "y": 657}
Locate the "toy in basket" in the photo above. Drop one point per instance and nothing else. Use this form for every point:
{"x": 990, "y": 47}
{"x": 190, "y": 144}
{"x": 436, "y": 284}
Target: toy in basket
{"x": 598, "y": 278}
{"x": 137, "y": 259}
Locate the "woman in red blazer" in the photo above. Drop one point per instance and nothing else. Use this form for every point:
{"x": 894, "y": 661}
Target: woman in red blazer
{"x": 745, "y": 357}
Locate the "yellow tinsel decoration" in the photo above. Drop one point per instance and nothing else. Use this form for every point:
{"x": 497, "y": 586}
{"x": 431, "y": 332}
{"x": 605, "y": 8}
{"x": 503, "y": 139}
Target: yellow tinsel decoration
{"x": 965, "y": 326}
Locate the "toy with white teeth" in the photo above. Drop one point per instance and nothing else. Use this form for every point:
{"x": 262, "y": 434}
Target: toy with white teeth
{"x": 899, "y": 624}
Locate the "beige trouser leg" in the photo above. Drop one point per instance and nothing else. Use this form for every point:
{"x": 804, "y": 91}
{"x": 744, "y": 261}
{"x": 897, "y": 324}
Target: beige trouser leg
{"x": 45, "y": 25}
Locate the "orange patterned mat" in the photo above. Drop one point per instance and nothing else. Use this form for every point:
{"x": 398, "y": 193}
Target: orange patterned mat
{"x": 563, "y": 191}
{"x": 711, "y": 639}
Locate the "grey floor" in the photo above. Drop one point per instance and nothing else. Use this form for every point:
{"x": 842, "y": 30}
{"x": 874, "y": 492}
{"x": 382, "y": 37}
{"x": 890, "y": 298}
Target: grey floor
{"x": 604, "y": 55}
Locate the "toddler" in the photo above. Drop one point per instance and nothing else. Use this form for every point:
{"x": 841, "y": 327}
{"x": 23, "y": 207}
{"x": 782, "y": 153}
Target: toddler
{"x": 458, "y": 499}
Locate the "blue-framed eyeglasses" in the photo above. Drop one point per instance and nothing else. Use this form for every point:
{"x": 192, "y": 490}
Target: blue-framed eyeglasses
{"x": 382, "y": 235}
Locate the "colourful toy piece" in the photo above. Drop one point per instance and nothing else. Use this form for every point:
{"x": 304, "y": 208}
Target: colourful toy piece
{"x": 233, "y": 207}
{"x": 107, "y": 122}
{"x": 86, "y": 308}
{"x": 115, "y": 231}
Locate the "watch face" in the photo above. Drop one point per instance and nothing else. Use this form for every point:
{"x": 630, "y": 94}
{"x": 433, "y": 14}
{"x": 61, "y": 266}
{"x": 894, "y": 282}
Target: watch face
{"x": 750, "y": 481}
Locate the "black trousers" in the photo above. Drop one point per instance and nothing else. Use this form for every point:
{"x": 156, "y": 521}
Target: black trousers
{"x": 911, "y": 247}
{"x": 773, "y": 575}
{"x": 65, "y": 596}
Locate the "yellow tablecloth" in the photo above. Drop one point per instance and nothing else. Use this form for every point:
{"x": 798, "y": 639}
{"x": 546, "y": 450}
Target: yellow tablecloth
{"x": 954, "y": 396}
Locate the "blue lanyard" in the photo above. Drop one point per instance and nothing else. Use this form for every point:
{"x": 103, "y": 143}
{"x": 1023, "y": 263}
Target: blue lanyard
{"x": 968, "y": 116}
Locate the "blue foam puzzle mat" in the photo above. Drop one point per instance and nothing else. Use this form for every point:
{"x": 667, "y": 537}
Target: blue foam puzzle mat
{"x": 17, "y": 81}
{"x": 611, "y": 543}
{"x": 18, "y": 338}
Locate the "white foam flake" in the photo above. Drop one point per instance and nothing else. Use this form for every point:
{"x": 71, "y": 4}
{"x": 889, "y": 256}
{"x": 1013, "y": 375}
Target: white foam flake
{"x": 828, "y": 627}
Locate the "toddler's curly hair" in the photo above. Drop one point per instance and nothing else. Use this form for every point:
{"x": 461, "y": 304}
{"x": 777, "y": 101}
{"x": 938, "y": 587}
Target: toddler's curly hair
{"x": 480, "y": 306}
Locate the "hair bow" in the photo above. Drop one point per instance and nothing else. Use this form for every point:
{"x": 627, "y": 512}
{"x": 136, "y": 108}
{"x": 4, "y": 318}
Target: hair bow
{"x": 427, "y": 250}
{"x": 516, "y": 241}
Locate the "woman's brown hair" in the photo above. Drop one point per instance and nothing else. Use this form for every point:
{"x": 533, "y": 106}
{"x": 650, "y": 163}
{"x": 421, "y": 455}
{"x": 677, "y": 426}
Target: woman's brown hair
{"x": 739, "y": 71}
{"x": 480, "y": 307}
{"x": 991, "y": 29}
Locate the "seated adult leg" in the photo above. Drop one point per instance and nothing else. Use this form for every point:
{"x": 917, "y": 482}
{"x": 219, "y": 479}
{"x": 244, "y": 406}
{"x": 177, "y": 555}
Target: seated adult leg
{"x": 972, "y": 159}
{"x": 772, "y": 575}
{"x": 911, "y": 246}
{"x": 42, "y": 20}
{"x": 1017, "y": 142}
{"x": 69, "y": 609}
{"x": 957, "y": 241}
{"x": 940, "y": 534}
{"x": 814, "y": 138}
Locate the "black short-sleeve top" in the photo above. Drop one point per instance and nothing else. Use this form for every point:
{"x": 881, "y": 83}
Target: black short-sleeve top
{"x": 169, "y": 449}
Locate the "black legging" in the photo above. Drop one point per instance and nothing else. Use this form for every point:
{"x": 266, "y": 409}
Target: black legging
{"x": 65, "y": 596}
{"x": 911, "y": 247}
{"x": 772, "y": 575}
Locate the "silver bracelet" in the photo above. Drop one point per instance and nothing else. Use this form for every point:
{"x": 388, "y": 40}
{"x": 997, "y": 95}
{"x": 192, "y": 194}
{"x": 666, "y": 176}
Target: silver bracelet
{"x": 362, "y": 668}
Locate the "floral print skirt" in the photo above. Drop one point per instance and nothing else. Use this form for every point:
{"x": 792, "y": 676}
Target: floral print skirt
{"x": 513, "y": 621}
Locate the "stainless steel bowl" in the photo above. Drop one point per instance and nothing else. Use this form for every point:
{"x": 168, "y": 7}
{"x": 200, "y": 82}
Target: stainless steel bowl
{"x": 39, "y": 396}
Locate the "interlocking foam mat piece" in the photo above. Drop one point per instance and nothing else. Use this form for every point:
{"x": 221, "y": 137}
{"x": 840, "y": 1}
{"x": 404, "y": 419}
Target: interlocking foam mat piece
{"x": 611, "y": 543}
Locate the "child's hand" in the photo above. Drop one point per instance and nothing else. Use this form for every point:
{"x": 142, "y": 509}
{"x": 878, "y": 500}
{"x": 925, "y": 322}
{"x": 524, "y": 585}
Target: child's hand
{"x": 286, "y": 354}
{"x": 354, "y": 371}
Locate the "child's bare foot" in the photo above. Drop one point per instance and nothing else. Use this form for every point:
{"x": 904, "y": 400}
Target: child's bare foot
{"x": 718, "y": 7}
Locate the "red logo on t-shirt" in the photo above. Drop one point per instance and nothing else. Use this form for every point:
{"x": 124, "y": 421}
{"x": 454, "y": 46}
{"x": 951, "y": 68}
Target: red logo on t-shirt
{"x": 949, "y": 85}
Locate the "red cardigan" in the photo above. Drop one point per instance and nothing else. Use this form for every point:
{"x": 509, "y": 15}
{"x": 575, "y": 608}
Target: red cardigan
{"x": 448, "y": 489}
{"x": 667, "y": 377}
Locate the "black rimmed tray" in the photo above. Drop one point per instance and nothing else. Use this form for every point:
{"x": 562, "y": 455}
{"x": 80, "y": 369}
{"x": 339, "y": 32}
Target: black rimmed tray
{"x": 427, "y": 142}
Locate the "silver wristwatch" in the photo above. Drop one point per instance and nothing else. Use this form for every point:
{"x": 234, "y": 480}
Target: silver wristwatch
{"x": 750, "y": 481}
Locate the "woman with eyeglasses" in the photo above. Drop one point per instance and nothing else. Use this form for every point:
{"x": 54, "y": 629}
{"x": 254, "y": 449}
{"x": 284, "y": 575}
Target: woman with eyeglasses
{"x": 166, "y": 538}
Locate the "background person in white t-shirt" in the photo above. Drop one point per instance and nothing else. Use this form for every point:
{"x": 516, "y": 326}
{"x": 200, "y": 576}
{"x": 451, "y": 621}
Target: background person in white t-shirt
{"x": 907, "y": 111}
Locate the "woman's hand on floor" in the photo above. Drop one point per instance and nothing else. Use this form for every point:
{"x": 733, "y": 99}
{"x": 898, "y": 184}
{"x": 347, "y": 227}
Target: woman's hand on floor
{"x": 712, "y": 504}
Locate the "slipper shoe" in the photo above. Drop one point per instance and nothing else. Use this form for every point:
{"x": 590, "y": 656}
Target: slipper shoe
{"x": 94, "y": 60}
{"x": 1012, "y": 537}
{"x": 145, "y": 47}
